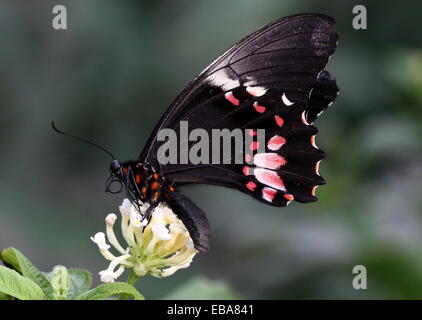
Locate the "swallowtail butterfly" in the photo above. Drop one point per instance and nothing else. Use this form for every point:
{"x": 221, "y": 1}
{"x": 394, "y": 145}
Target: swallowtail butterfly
{"x": 273, "y": 79}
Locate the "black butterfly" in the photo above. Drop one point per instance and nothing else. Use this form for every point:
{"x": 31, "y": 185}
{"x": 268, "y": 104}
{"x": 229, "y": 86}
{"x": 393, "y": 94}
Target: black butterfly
{"x": 274, "y": 79}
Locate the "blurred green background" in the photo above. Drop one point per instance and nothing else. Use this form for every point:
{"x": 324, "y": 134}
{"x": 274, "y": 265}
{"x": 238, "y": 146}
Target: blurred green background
{"x": 111, "y": 75}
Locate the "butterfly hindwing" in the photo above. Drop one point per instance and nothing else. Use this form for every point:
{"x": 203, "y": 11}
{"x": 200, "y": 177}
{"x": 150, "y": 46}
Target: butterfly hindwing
{"x": 193, "y": 218}
{"x": 286, "y": 167}
{"x": 270, "y": 80}
{"x": 324, "y": 93}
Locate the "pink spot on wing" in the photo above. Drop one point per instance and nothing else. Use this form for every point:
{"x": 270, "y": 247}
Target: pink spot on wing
{"x": 252, "y": 132}
{"x": 276, "y": 143}
{"x": 268, "y": 194}
{"x": 231, "y": 98}
{"x": 269, "y": 160}
{"x": 254, "y": 145}
{"x": 270, "y": 178}
{"x": 279, "y": 120}
{"x": 246, "y": 170}
{"x": 248, "y": 158}
{"x": 251, "y": 185}
{"x": 258, "y": 108}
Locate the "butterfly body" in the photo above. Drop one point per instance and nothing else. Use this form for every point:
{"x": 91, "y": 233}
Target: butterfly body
{"x": 272, "y": 80}
{"x": 141, "y": 181}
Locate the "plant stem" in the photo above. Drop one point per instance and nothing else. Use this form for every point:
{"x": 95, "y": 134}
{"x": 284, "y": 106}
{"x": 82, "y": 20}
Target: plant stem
{"x": 130, "y": 280}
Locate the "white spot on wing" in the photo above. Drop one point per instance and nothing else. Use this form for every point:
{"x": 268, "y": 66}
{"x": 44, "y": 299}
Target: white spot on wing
{"x": 313, "y": 142}
{"x": 288, "y": 202}
{"x": 256, "y": 91}
{"x": 313, "y": 192}
{"x": 317, "y": 167}
{"x": 304, "y": 118}
{"x": 220, "y": 79}
{"x": 250, "y": 81}
{"x": 286, "y": 101}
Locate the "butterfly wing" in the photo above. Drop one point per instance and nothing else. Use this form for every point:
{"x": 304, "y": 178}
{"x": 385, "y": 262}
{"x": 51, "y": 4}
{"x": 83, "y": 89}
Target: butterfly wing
{"x": 193, "y": 218}
{"x": 273, "y": 80}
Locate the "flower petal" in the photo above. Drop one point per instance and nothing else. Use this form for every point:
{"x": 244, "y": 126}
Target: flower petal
{"x": 161, "y": 232}
{"x": 99, "y": 239}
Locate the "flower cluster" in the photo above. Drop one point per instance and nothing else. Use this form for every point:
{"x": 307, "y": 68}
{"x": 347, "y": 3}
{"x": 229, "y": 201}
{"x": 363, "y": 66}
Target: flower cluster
{"x": 159, "y": 247}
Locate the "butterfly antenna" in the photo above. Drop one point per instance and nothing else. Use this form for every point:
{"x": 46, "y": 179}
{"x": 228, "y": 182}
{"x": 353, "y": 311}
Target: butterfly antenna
{"x": 81, "y": 139}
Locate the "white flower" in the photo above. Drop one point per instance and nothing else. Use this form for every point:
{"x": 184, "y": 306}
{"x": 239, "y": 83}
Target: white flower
{"x": 107, "y": 276}
{"x": 161, "y": 231}
{"x": 99, "y": 239}
{"x": 110, "y": 275}
{"x": 159, "y": 247}
{"x": 111, "y": 219}
{"x": 126, "y": 207}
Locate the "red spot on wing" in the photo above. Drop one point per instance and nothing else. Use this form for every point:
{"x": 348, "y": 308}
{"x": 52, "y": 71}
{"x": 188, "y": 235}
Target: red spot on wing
{"x": 313, "y": 190}
{"x": 252, "y": 132}
{"x": 289, "y": 197}
{"x": 231, "y": 98}
{"x": 246, "y": 170}
{"x": 251, "y": 185}
{"x": 279, "y": 120}
{"x": 276, "y": 143}
{"x": 268, "y": 194}
{"x": 248, "y": 158}
{"x": 270, "y": 178}
{"x": 258, "y": 108}
{"x": 254, "y": 145}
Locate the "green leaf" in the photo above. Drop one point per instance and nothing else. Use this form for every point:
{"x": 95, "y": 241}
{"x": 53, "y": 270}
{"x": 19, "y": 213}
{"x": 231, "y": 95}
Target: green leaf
{"x": 202, "y": 288}
{"x": 14, "y": 284}
{"x": 80, "y": 282}
{"x": 60, "y": 282}
{"x": 28, "y": 270}
{"x": 4, "y": 296}
{"x": 108, "y": 289}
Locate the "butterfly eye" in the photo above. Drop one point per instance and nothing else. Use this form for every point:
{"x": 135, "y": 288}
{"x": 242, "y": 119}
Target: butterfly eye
{"x": 115, "y": 166}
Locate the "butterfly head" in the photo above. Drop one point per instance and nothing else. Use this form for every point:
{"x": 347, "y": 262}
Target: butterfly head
{"x": 117, "y": 176}
{"x": 115, "y": 167}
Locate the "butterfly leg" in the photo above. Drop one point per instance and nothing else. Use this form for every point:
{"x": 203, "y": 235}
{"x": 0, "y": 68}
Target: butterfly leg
{"x": 148, "y": 213}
